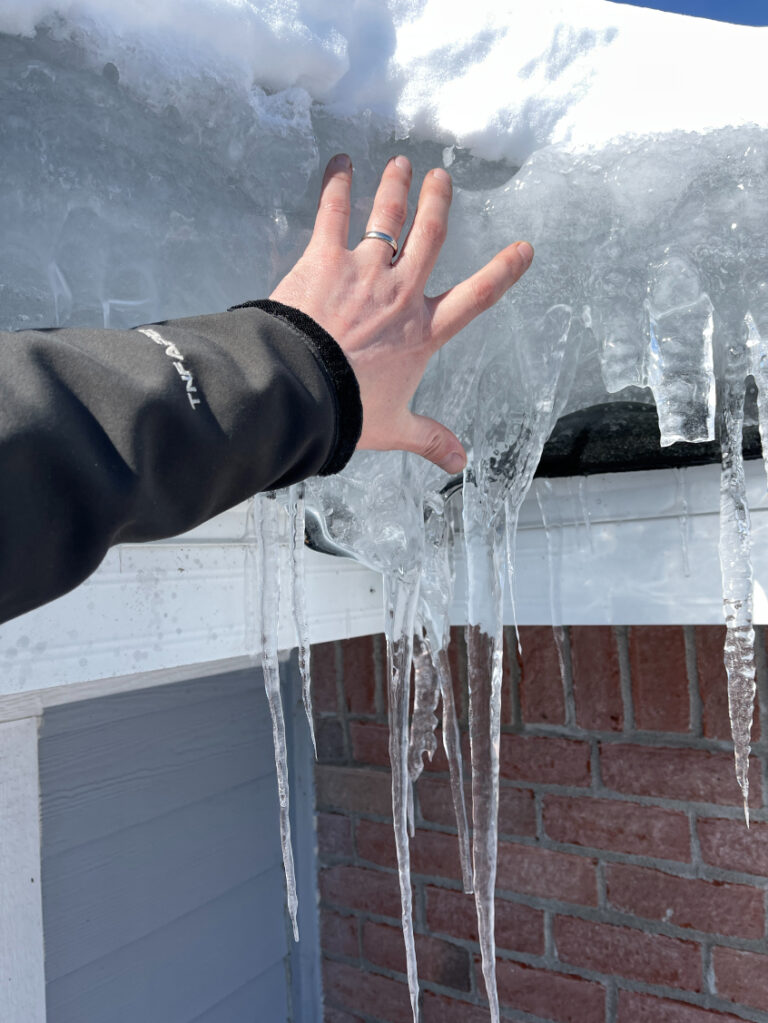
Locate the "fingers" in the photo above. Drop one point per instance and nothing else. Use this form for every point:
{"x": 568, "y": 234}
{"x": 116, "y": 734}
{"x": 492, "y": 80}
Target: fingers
{"x": 454, "y": 309}
{"x": 333, "y": 208}
{"x": 390, "y": 209}
{"x": 430, "y": 226}
{"x": 434, "y": 442}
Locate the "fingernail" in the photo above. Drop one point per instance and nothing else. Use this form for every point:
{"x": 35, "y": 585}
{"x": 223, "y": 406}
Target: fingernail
{"x": 341, "y": 162}
{"x": 526, "y": 253}
{"x": 454, "y": 463}
{"x": 403, "y": 163}
{"x": 443, "y": 175}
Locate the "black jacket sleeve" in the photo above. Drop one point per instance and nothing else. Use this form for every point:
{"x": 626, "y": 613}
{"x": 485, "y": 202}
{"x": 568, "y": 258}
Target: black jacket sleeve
{"x": 127, "y": 435}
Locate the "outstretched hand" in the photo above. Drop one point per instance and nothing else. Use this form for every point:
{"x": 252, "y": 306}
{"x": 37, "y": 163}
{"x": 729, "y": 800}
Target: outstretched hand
{"x": 377, "y": 311}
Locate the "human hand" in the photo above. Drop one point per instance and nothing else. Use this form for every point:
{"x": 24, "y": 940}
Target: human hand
{"x": 378, "y": 312}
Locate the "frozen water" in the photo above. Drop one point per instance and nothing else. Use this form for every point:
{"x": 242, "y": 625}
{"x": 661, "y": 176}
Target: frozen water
{"x": 164, "y": 159}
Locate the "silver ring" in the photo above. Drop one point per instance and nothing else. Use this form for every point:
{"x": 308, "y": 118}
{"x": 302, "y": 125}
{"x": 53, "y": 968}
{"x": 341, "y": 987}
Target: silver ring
{"x": 381, "y": 237}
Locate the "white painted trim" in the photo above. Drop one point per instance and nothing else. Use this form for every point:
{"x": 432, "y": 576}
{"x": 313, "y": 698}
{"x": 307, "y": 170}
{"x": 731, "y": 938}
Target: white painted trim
{"x": 22, "y": 961}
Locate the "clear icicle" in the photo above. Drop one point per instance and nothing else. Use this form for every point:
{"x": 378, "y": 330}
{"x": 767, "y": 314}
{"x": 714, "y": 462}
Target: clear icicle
{"x": 554, "y": 537}
{"x": 757, "y": 343}
{"x": 299, "y": 599}
{"x": 683, "y": 519}
{"x": 452, "y": 746}
{"x": 437, "y": 586}
{"x": 484, "y": 546}
{"x": 269, "y": 603}
{"x": 736, "y": 569}
{"x": 401, "y": 598}
{"x": 426, "y": 693}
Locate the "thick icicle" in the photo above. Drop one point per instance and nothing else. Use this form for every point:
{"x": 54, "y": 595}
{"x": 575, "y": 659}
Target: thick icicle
{"x": 401, "y": 597}
{"x": 299, "y": 599}
{"x": 736, "y": 569}
{"x": 269, "y": 603}
{"x": 426, "y": 693}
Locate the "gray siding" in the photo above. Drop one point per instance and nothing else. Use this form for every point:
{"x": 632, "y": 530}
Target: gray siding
{"x": 163, "y": 892}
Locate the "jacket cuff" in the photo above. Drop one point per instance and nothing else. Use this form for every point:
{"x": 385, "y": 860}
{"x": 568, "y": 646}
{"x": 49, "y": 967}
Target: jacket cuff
{"x": 346, "y": 393}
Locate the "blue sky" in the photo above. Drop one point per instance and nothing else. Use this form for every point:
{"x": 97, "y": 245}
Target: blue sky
{"x": 744, "y": 12}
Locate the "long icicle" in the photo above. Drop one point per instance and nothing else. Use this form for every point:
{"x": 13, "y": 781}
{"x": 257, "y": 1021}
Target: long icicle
{"x": 484, "y": 548}
{"x": 736, "y": 568}
{"x": 401, "y": 592}
{"x": 299, "y": 599}
{"x": 437, "y": 588}
{"x": 269, "y": 603}
{"x": 452, "y": 746}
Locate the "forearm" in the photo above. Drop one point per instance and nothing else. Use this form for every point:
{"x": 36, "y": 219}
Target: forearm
{"x": 109, "y": 436}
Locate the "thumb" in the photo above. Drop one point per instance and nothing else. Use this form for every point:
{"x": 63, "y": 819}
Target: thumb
{"x": 434, "y": 442}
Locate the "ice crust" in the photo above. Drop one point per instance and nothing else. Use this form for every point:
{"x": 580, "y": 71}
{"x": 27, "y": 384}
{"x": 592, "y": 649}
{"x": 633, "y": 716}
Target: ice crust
{"x": 165, "y": 160}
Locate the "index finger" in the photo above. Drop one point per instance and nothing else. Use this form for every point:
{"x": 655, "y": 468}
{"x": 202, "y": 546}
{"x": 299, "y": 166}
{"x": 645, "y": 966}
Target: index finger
{"x": 333, "y": 208}
{"x": 455, "y": 308}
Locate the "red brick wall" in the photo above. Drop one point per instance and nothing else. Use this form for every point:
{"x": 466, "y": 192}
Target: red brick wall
{"x": 629, "y": 889}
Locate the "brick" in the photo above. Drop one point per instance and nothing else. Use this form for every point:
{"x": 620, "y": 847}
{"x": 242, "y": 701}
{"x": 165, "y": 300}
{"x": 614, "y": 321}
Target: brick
{"x": 555, "y": 996}
{"x": 334, "y": 836}
{"x": 713, "y": 684}
{"x": 371, "y": 891}
{"x": 370, "y": 743}
{"x": 545, "y": 760}
{"x": 659, "y": 678}
{"x": 331, "y": 1015}
{"x": 517, "y": 812}
{"x": 618, "y": 826}
{"x": 712, "y": 906}
{"x": 531, "y": 870}
{"x": 541, "y": 687}
{"x": 367, "y": 993}
{"x": 510, "y": 673}
{"x": 625, "y": 952}
{"x": 439, "y": 961}
{"x": 596, "y": 678}
{"x": 438, "y": 1009}
{"x": 634, "y": 1008}
{"x": 691, "y": 775}
{"x": 324, "y": 678}
{"x": 329, "y": 736}
{"x": 339, "y": 935}
{"x": 432, "y": 852}
{"x": 359, "y": 675}
{"x": 353, "y": 789}
{"x": 729, "y": 845}
{"x": 518, "y": 928}
{"x": 742, "y": 977}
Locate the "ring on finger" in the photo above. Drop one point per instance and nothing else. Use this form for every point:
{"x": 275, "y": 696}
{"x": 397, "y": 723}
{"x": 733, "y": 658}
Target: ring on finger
{"x": 381, "y": 236}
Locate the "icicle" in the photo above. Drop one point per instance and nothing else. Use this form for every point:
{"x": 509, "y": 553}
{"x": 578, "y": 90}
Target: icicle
{"x": 269, "y": 603}
{"x": 554, "y": 537}
{"x": 401, "y": 597}
{"x": 299, "y": 599}
{"x": 484, "y": 549}
{"x": 736, "y": 569}
{"x": 586, "y": 517}
{"x": 452, "y": 746}
{"x": 758, "y": 367}
{"x": 437, "y": 585}
{"x": 683, "y": 519}
{"x": 426, "y": 693}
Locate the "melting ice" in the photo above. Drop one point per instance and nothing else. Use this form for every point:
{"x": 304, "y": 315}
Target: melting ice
{"x": 164, "y": 161}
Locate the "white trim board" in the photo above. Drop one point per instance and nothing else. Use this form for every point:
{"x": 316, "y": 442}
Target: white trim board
{"x": 629, "y": 548}
{"x": 22, "y": 962}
